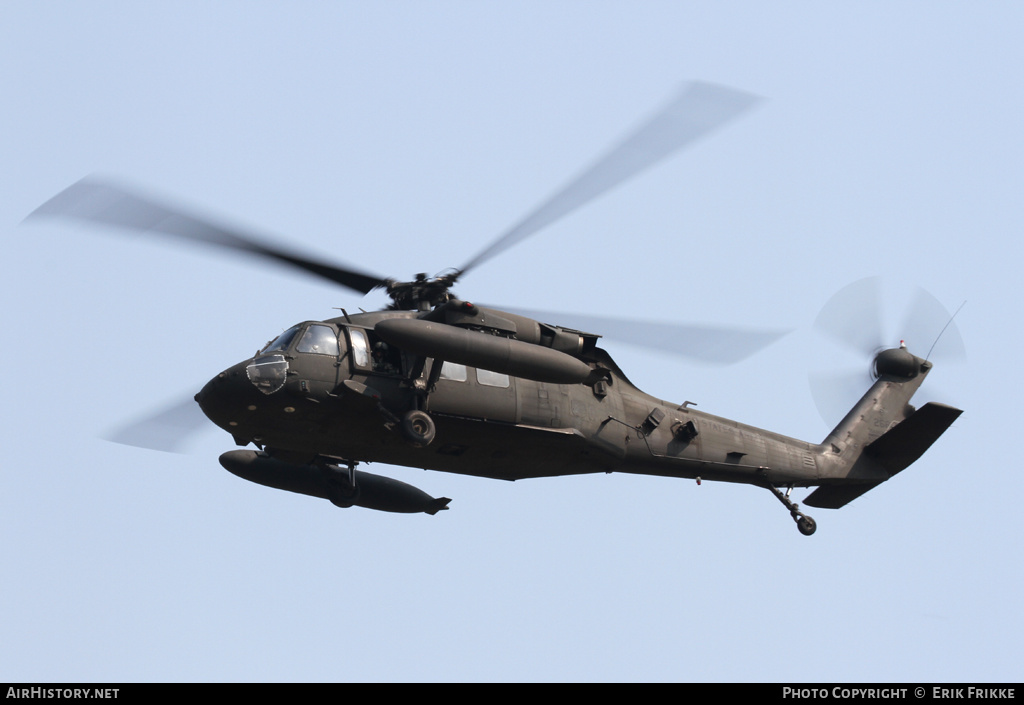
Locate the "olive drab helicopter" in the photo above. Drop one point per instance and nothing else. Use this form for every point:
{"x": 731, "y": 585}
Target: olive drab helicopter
{"x": 437, "y": 382}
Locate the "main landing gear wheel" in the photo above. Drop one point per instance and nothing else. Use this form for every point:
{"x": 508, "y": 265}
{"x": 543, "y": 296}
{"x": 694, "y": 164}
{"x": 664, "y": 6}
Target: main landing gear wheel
{"x": 418, "y": 428}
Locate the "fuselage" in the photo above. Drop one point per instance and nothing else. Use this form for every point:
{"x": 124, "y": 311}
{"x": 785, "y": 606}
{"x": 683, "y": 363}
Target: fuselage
{"x": 333, "y": 390}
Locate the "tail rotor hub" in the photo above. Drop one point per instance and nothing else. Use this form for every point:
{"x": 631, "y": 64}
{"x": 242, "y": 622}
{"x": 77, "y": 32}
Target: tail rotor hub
{"x": 899, "y": 362}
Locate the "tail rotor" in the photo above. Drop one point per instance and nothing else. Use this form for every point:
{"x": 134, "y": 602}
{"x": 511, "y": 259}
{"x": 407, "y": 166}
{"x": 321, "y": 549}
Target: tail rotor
{"x": 855, "y": 318}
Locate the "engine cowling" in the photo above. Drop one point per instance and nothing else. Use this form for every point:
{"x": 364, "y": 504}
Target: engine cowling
{"x": 479, "y": 349}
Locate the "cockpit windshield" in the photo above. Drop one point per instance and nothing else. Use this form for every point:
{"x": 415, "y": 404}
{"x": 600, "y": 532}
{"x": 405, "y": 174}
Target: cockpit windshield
{"x": 270, "y": 367}
{"x": 282, "y": 341}
{"x": 319, "y": 339}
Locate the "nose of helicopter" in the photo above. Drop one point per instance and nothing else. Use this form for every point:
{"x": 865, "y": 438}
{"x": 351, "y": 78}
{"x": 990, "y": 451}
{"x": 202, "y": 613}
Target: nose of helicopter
{"x": 225, "y": 397}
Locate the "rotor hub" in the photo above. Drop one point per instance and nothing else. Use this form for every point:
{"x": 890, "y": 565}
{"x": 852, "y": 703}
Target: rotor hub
{"x": 422, "y": 294}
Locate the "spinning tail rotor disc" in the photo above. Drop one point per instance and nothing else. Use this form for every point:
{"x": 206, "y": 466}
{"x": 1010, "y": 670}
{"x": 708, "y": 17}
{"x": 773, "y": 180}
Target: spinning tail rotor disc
{"x": 858, "y": 319}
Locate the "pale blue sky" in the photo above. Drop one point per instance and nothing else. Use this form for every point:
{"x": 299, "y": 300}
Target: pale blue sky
{"x": 402, "y": 136}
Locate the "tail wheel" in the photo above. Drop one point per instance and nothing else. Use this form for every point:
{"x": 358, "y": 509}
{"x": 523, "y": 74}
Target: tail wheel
{"x": 806, "y": 525}
{"x": 418, "y": 428}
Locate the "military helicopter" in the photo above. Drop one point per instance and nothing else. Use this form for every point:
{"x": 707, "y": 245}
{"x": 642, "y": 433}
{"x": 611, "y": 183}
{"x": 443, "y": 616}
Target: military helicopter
{"x": 440, "y": 383}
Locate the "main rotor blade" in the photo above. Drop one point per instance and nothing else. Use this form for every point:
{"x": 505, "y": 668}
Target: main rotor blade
{"x": 699, "y": 110}
{"x": 167, "y": 429}
{"x": 709, "y": 344}
{"x": 96, "y": 201}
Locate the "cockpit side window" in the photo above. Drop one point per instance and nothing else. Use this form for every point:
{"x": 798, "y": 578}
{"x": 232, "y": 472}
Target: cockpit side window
{"x": 319, "y": 339}
{"x": 360, "y": 347}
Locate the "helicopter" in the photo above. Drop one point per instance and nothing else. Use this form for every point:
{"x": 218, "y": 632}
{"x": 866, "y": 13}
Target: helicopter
{"x": 437, "y": 382}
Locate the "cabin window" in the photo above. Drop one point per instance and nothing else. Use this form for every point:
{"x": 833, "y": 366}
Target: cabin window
{"x": 453, "y": 371}
{"x": 320, "y": 340}
{"x": 491, "y": 379}
{"x": 360, "y": 347}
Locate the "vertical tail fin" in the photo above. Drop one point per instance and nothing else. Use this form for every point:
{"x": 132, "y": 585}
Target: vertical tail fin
{"x": 882, "y": 434}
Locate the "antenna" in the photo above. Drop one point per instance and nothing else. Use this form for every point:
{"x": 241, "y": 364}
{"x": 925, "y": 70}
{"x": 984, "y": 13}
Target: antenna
{"x": 928, "y": 356}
